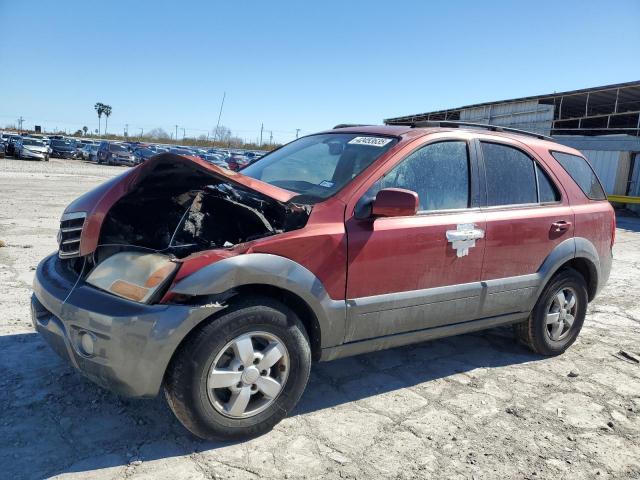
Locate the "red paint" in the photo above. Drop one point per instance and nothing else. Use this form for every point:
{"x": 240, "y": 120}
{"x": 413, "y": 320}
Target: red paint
{"x": 395, "y": 202}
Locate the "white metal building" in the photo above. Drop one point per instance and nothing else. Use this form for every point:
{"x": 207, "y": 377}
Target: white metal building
{"x": 602, "y": 122}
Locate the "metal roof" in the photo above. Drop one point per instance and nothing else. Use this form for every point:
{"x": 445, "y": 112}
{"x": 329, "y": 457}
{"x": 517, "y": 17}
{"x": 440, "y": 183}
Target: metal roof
{"x": 522, "y": 99}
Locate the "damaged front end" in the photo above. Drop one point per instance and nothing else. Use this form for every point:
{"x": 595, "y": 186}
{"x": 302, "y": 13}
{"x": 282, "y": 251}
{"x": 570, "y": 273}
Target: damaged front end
{"x": 168, "y": 209}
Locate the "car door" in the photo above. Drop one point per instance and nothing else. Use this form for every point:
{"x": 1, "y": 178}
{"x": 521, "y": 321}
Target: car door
{"x": 403, "y": 272}
{"x": 527, "y": 215}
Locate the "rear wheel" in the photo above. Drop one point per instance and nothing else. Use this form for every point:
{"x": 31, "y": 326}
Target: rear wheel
{"x": 240, "y": 374}
{"x": 557, "y": 318}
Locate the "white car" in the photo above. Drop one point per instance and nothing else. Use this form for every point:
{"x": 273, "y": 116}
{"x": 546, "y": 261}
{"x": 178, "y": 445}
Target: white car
{"x": 30, "y": 148}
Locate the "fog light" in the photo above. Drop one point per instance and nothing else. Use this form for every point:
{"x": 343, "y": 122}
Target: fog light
{"x": 86, "y": 343}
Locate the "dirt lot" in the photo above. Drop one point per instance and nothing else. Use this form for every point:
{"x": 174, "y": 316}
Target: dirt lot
{"x": 474, "y": 406}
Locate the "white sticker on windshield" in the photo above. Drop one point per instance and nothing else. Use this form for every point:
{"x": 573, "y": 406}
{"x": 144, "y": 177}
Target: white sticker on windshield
{"x": 371, "y": 141}
{"x": 326, "y": 184}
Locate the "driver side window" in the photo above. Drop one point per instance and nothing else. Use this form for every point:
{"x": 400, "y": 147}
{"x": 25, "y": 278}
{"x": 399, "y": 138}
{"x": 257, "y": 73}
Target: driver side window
{"x": 438, "y": 173}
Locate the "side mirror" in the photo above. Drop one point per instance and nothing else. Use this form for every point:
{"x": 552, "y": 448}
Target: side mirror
{"x": 395, "y": 202}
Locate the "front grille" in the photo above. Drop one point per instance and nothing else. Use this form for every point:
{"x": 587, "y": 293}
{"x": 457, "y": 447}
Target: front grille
{"x": 69, "y": 235}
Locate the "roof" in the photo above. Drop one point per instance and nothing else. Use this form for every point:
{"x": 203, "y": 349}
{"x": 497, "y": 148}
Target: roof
{"x": 635, "y": 83}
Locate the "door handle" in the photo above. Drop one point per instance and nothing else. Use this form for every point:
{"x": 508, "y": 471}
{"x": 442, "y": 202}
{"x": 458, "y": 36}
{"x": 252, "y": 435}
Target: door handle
{"x": 463, "y": 235}
{"x": 464, "y": 238}
{"x": 560, "y": 226}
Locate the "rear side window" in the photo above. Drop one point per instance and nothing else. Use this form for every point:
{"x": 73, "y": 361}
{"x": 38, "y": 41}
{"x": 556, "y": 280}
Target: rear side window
{"x": 547, "y": 192}
{"x": 510, "y": 174}
{"x": 582, "y": 173}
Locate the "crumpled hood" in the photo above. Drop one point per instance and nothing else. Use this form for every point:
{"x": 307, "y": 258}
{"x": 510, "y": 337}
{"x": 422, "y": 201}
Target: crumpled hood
{"x": 97, "y": 202}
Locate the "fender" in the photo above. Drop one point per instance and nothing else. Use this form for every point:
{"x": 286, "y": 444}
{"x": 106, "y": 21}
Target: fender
{"x": 281, "y": 272}
{"x": 576, "y": 247}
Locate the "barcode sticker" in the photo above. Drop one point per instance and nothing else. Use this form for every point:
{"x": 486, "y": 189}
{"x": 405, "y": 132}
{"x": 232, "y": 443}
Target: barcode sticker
{"x": 371, "y": 141}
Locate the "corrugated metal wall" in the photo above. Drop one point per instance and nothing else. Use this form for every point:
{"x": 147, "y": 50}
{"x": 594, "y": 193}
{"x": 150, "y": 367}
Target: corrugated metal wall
{"x": 612, "y": 167}
{"x": 529, "y": 115}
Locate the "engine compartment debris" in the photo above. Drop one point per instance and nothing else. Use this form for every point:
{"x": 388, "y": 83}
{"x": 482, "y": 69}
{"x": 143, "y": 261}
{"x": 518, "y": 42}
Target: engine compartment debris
{"x": 180, "y": 209}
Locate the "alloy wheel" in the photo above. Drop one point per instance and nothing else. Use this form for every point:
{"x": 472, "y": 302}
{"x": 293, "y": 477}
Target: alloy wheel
{"x": 561, "y": 314}
{"x": 248, "y": 374}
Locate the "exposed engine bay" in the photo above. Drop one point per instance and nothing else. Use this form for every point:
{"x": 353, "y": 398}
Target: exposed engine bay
{"x": 180, "y": 208}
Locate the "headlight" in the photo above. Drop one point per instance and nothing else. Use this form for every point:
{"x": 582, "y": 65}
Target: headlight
{"x": 133, "y": 275}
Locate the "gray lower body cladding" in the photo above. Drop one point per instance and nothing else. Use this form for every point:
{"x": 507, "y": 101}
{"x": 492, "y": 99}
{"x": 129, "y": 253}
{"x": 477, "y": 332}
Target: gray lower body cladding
{"x": 133, "y": 342}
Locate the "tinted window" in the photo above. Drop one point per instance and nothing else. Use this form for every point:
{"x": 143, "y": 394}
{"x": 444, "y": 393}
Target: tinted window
{"x": 438, "y": 173}
{"x": 547, "y": 191}
{"x": 582, "y": 173}
{"x": 510, "y": 175}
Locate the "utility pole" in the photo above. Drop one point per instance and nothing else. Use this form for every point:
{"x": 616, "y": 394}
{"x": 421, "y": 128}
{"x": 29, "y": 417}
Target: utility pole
{"x": 297, "y": 132}
{"x": 126, "y": 130}
{"x": 20, "y": 120}
{"x": 224, "y": 95}
{"x": 141, "y": 132}
{"x": 271, "y": 137}
{"x": 176, "y": 133}
{"x": 183, "y": 134}
{"x": 261, "y": 129}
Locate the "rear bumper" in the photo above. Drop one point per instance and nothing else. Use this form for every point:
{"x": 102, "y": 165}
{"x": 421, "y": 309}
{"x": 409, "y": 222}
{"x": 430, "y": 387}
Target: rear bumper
{"x": 133, "y": 342}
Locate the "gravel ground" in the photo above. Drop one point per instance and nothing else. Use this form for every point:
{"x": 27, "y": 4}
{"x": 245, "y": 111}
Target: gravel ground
{"x": 473, "y": 406}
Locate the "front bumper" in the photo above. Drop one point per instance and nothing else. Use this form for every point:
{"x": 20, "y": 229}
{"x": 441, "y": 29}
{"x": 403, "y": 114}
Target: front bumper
{"x": 133, "y": 342}
{"x": 59, "y": 154}
{"x": 32, "y": 154}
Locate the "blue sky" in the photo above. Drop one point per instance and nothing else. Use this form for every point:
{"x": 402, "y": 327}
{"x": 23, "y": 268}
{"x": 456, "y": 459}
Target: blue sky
{"x": 306, "y": 65}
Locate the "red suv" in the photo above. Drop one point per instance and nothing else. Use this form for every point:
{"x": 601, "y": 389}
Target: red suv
{"x": 223, "y": 287}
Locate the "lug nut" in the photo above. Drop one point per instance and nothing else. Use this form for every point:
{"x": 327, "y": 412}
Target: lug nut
{"x": 256, "y": 361}
{"x": 239, "y": 384}
{"x": 240, "y": 368}
{"x": 263, "y": 373}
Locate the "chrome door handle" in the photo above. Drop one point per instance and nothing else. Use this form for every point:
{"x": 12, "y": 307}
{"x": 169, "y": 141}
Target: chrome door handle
{"x": 464, "y": 238}
{"x": 463, "y": 235}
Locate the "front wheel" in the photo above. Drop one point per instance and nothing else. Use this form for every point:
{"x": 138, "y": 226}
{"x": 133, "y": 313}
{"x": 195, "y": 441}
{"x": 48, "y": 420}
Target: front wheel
{"x": 557, "y": 318}
{"x": 241, "y": 373}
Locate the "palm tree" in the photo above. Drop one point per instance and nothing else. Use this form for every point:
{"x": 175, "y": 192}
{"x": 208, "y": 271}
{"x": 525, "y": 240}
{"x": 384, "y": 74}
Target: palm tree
{"x": 85, "y": 129}
{"x": 99, "y": 107}
{"x": 107, "y": 111}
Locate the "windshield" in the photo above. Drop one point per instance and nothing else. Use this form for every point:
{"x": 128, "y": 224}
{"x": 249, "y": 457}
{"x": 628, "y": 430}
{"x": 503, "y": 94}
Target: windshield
{"x": 35, "y": 143}
{"x": 60, "y": 143}
{"x": 318, "y": 166}
{"x": 114, "y": 147}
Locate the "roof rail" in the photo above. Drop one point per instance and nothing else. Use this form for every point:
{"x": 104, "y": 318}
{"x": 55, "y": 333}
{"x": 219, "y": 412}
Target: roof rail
{"x": 347, "y": 125}
{"x": 485, "y": 126}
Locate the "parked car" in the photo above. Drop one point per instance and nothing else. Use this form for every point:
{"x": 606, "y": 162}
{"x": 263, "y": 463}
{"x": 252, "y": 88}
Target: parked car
{"x": 142, "y": 154}
{"x": 62, "y": 148}
{"x": 31, "y": 148}
{"x": 87, "y": 151}
{"x": 215, "y": 159}
{"x": 115, "y": 154}
{"x": 222, "y": 288}
{"x": 10, "y": 141}
{"x": 237, "y": 161}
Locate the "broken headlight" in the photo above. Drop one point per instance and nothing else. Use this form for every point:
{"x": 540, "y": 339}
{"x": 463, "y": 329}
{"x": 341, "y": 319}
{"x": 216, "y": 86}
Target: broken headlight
{"x": 135, "y": 276}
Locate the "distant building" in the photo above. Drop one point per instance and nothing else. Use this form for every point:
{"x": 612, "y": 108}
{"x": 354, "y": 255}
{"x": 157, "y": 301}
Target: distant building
{"x": 602, "y": 122}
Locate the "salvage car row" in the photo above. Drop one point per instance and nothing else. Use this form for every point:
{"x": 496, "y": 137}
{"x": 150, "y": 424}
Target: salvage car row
{"x": 37, "y": 147}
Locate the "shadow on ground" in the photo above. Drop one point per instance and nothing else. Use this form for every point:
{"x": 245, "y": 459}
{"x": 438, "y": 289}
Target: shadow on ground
{"x": 53, "y": 421}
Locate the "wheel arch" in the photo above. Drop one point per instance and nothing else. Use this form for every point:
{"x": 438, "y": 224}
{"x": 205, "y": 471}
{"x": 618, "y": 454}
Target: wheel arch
{"x": 277, "y": 277}
{"x": 577, "y": 253}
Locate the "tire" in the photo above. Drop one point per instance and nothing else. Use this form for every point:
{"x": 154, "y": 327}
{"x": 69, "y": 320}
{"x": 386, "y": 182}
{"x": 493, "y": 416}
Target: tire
{"x": 200, "y": 408}
{"x": 538, "y": 333}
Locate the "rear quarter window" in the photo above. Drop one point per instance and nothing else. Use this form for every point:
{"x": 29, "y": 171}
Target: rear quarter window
{"x": 581, "y": 172}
